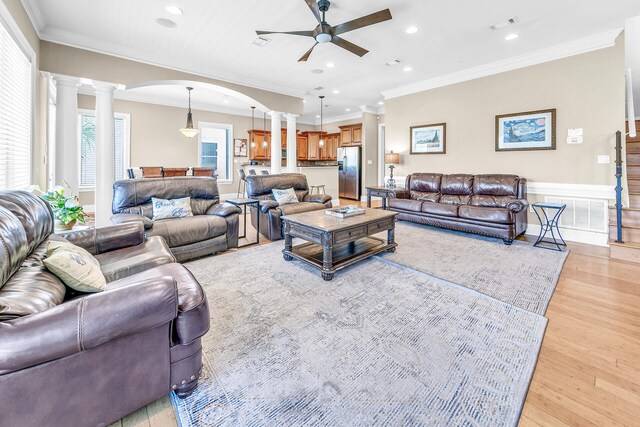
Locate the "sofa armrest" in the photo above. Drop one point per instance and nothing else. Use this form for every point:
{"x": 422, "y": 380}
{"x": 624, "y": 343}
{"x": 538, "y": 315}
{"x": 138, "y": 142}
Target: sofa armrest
{"x": 105, "y": 239}
{"x": 267, "y": 205}
{"x": 401, "y": 194}
{"x": 124, "y": 218}
{"x": 317, "y": 198}
{"x": 223, "y": 209}
{"x": 517, "y": 205}
{"x": 87, "y": 322}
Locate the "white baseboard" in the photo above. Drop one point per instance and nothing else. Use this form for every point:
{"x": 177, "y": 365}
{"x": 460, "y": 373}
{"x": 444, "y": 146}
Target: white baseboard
{"x": 572, "y": 235}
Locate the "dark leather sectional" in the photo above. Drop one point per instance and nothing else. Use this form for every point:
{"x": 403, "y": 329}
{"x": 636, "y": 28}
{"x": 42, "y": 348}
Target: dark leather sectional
{"x": 493, "y": 205}
{"x": 70, "y": 359}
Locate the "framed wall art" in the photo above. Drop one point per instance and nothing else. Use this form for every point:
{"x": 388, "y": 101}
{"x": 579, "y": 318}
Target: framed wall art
{"x": 239, "y": 148}
{"x": 429, "y": 139}
{"x": 531, "y": 130}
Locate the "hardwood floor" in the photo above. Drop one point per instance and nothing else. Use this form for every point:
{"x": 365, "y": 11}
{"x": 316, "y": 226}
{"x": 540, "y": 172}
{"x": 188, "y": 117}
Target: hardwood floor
{"x": 588, "y": 372}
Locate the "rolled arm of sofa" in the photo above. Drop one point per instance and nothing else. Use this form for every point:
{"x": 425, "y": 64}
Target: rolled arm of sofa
{"x": 105, "y": 239}
{"x": 267, "y": 205}
{"x": 223, "y": 209}
{"x": 317, "y": 198}
{"x": 87, "y": 322}
{"x": 517, "y": 205}
{"x": 124, "y": 218}
{"x": 402, "y": 194}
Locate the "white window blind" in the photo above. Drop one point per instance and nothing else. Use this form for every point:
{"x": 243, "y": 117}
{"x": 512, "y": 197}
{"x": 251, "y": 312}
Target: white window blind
{"x": 15, "y": 113}
{"x": 51, "y": 143}
{"x": 214, "y": 152}
{"x": 88, "y": 147}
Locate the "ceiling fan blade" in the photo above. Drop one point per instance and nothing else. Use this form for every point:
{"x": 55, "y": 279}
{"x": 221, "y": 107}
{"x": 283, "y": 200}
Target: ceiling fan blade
{"x": 314, "y": 9}
{"x": 295, "y": 33}
{"x": 374, "y": 18}
{"x": 353, "y": 48}
{"x": 307, "y": 54}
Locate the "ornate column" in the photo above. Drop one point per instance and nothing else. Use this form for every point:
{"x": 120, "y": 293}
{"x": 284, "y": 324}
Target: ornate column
{"x": 67, "y": 144}
{"x": 276, "y": 141}
{"x": 105, "y": 153}
{"x": 292, "y": 142}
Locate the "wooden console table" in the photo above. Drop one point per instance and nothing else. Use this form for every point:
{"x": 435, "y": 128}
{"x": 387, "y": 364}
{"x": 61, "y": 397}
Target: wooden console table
{"x": 383, "y": 192}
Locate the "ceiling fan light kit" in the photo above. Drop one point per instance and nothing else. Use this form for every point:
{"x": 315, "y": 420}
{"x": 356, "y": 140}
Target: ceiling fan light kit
{"x": 325, "y": 33}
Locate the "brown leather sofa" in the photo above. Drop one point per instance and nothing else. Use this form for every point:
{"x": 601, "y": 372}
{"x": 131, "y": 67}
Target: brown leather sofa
{"x": 260, "y": 186}
{"x": 71, "y": 359}
{"x": 493, "y": 205}
{"x": 212, "y": 228}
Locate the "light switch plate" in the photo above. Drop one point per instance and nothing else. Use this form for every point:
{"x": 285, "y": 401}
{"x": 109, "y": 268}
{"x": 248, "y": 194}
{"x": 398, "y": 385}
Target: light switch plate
{"x": 369, "y": 162}
{"x": 604, "y": 159}
{"x": 575, "y": 132}
{"x": 574, "y": 140}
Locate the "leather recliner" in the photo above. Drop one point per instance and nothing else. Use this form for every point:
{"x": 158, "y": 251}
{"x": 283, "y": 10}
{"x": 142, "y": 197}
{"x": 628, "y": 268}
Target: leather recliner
{"x": 493, "y": 205}
{"x": 212, "y": 228}
{"x": 68, "y": 358}
{"x": 260, "y": 187}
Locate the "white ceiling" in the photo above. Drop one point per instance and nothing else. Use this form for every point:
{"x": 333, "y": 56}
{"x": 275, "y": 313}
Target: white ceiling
{"x": 215, "y": 39}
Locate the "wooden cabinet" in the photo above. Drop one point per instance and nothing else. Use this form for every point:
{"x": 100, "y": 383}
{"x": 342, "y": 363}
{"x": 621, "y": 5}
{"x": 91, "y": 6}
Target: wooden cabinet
{"x": 257, "y": 148}
{"x": 330, "y": 149}
{"x": 308, "y": 145}
{"x": 351, "y": 135}
{"x": 302, "y": 147}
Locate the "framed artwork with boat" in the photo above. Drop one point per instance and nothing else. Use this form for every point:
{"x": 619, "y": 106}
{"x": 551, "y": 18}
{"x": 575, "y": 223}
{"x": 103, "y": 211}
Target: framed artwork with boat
{"x": 531, "y": 130}
{"x": 429, "y": 139}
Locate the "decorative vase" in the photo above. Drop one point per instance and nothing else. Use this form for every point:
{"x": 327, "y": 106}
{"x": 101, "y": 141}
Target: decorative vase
{"x": 61, "y": 226}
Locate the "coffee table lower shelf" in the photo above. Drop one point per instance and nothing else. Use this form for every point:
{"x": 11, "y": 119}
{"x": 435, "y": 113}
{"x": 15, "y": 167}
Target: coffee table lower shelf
{"x": 343, "y": 255}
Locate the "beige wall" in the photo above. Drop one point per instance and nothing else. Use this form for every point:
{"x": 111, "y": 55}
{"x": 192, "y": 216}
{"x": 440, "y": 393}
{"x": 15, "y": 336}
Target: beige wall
{"x": 587, "y": 90}
{"x": 155, "y": 140}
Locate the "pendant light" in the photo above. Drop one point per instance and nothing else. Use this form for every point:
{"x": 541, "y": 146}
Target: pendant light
{"x": 189, "y": 131}
{"x": 264, "y": 130}
{"x": 321, "y": 143}
{"x": 253, "y": 127}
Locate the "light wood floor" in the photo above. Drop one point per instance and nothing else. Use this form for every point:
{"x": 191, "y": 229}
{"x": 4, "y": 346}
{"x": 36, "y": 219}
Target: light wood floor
{"x": 588, "y": 372}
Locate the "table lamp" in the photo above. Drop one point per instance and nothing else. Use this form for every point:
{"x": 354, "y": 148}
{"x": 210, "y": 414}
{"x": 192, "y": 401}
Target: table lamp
{"x": 391, "y": 159}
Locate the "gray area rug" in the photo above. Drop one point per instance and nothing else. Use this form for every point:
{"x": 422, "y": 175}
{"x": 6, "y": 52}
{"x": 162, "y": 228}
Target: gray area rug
{"x": 381, "y": 344}
{"x": 519, "y": 274}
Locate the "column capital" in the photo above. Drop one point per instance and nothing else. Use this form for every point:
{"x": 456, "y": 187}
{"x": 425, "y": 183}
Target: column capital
{"x": 104, "y": 87}
{"x": 66, "y": 81}
{"x": 275, "y": 114}
{"x": 291, "y": 116}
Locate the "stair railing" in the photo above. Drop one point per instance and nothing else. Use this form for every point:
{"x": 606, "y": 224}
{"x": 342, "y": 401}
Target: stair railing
{"x": 619, "y": 186}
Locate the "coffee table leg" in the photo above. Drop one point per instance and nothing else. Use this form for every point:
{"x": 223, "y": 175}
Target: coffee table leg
{"x": 327, "y": 256}
{"x": 368, "y": 199}
{"x": 391, "y": 233}
{"x": 288, "y": 243}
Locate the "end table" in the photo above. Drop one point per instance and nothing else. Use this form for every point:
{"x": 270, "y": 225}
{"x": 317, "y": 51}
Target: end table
{"x": 243, "y": 202}
{"x": 383, "y": 192}
{"x": 549, "y": 215}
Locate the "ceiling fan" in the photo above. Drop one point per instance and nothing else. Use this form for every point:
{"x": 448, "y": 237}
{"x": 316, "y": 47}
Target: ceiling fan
{"x": 325, "y": 33}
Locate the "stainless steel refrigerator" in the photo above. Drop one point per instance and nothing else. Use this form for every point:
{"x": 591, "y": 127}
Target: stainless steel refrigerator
{"x": 349, "y": 171}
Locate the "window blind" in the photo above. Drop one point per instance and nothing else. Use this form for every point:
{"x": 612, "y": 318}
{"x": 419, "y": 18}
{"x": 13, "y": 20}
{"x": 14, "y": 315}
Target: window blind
{"x": 88, "y": 149}
{"x": 15, "y": 114}
{"x": 51, "y": 143}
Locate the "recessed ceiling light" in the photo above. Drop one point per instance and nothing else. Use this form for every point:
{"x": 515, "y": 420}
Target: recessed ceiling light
{"x": 174, "y": 10}
{"x": 411, "y": 30}
{"x": 226, "y": 101}
{"x": 511, "y": 36}
{"x": 380, "y": 102}
{"x": 347, "y": 109}
{"x": 304, "y": 101}
{"x": 330, "y": 65}
{"x": 318, "y": 116}
{"x": 261, "y": 41}
{"x": 336, "y": 91}
{"x": 167, "y": 23}
{"x": 407, "y": 69}
{"x": 317, "y": 71}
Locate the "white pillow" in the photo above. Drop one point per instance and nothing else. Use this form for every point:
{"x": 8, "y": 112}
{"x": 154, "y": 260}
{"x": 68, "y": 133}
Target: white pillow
{"x": 174, "y": 208}
{"x": 285, "y": 197}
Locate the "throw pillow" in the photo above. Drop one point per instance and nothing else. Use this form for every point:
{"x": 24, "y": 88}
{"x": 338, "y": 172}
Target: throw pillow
{"x": 76, "y": 267}
{"x": 285, "y": 197}
{"x": 174, "y": 208}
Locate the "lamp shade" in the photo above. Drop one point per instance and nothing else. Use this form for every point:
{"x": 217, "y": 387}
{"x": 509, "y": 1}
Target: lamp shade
{"x": 392, "y": 158}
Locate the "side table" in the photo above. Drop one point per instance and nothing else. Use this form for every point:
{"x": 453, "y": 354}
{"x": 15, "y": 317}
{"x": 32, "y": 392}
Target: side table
{"x": 549, "y": 215}
{"x": 383, "y": 192}
{"x": 243, "y": 202}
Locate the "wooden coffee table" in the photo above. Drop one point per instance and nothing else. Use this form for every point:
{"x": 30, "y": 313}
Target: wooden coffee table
{"x": 335, "y": 243}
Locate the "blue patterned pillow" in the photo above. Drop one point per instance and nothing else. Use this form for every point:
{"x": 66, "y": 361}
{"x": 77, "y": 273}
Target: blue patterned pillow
{"x": 174, "y": 208}
{"x": 285, "y": 197}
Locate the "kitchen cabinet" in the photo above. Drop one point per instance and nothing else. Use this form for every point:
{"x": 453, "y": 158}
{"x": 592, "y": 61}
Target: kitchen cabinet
{"x": 302, "y": 147}
{"x": 257, "y": 148}
{"x": 351, "y": 135}
{"x": 330, "y": 149}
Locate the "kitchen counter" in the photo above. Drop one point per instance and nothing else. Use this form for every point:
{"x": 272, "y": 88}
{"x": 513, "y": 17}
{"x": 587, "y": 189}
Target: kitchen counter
{"x": 323, "y": 175}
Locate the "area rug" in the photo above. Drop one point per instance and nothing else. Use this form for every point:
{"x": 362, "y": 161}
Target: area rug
{"x": 519, "y": 274}
{"x": 381, "y": 344}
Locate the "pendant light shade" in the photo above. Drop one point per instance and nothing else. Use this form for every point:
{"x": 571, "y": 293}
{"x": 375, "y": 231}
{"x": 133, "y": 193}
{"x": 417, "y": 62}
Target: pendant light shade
{"x": 321, "y": 143}
{"x": 189, "y": 130}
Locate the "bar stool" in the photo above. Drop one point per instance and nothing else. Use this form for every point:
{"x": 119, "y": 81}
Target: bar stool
{"x": 252, "y": 172}
{"x": 242, "y": 182}
{"x": 264, "y": 172}
{"x": 318, "y": 188}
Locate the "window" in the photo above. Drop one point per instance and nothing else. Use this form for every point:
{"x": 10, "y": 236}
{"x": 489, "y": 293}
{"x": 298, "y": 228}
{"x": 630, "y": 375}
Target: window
{"x": 16, "y": 106}
{"x": 51, "y": 137}
{"x": 88, "y": 147}
{"x": 215, "y": 148}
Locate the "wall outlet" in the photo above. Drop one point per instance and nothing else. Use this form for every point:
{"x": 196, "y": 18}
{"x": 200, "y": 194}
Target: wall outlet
{"x": 574, "y": 140}
{"x": 604, "y": 159}
{"x": 369, "y": 162}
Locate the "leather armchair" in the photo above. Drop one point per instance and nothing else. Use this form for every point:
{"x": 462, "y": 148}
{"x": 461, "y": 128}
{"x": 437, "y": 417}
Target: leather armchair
{"x": 261, "y": 186}
{"x": 212, "y": 228}
{"x": 92, "y": 358}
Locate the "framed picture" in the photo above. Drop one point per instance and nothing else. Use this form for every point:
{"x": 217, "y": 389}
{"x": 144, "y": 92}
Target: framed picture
{"x": 429, "y": 139}
{"x": 532, "y": 130}
{"x": 239, "y": 148}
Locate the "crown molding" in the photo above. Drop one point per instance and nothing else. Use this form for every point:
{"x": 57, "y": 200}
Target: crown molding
{"x": 564, "y": 50}
{"x": 35, "y": 16}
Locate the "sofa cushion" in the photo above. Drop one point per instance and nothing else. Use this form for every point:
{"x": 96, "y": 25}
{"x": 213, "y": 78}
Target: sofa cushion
{"x": 13, "y": 244}
{"x": 294, "y": 208}
{"x": 440, "y": 209}
{"x": 427, "y": 197}
{"x": 479, "y": 213}
{"x": 191, "y": 229}
{"x": 496, "y": 185}
{"x": 452, "y": 199}
{"x": 33, "y": 212}
{"x": 425, "y": 182}
{"x": 489, "y": 201}
{"x": 406, "y": 204}
{"x": 31, "y": 290}
{"x": 76, "y": 267}
{"x": 135, "y": 259}
{"x": 458, "y": 184}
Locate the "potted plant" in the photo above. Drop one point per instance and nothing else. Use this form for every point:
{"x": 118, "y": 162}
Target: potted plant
{"x": 66, "y": 210}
